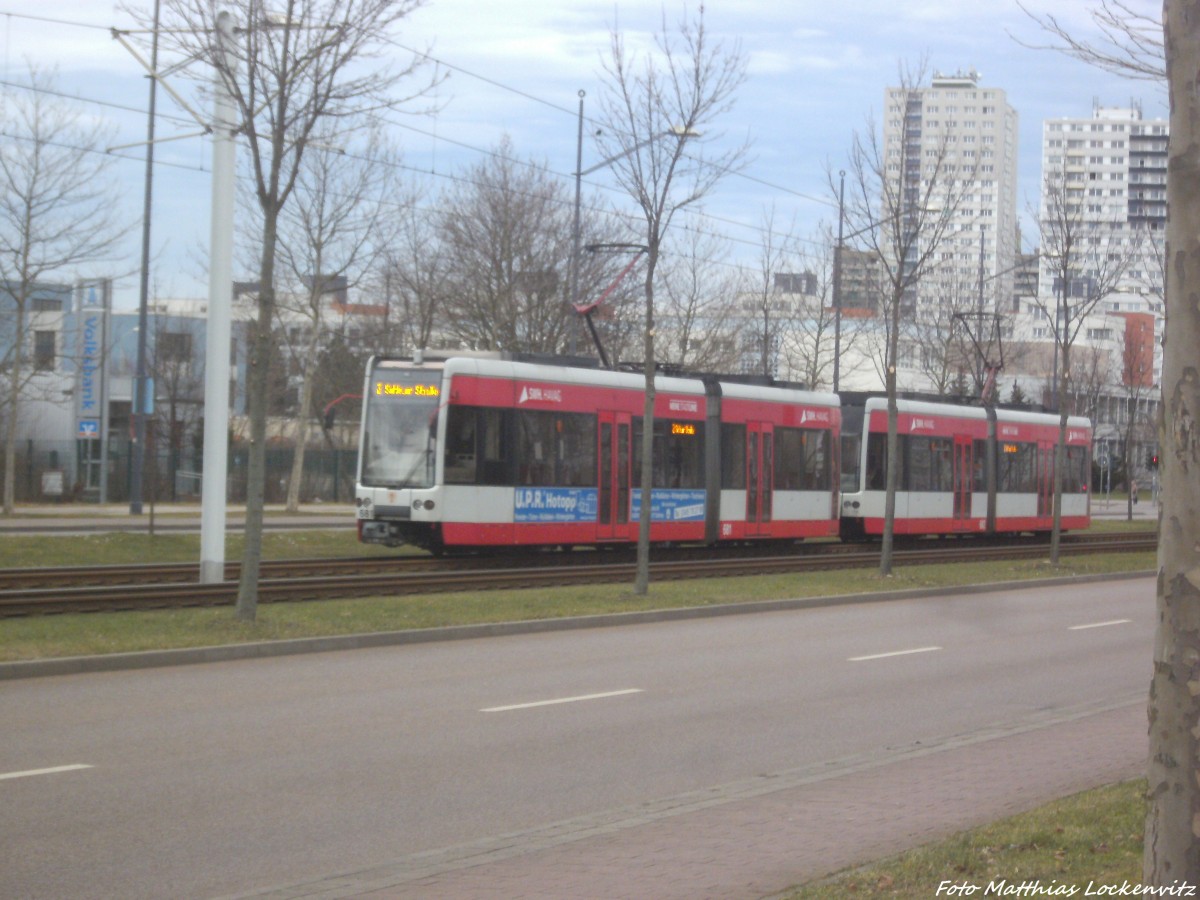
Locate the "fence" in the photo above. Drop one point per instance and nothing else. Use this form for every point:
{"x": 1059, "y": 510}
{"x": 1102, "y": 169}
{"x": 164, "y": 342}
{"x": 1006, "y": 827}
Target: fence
{"x": 58, "y": 471}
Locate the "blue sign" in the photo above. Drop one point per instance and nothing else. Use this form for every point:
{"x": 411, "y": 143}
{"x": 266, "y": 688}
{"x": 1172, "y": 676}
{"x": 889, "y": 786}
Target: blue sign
{"x": 555, "y": 505}
{"x": 89, "y": 428}
{"x": 670, "y": 505}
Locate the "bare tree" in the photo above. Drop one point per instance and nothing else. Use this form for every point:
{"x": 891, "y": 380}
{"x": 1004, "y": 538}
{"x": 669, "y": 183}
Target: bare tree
{"x": 340, "y": 222}
{"x": 700, "y": 297}
{"x": 506, "y": 231}
{"x": 293, "y": 71}
{"x": 58, "y": 213}
{"x": 415, "y": 282}
{"x": 903, "y": 203}
{"x": 942, "y": 338}
{"x": 1088, "y": 257}
{"x": 768, "y": 293}
{"x": 813, "y": 335}
{"x": 654, "y": 109}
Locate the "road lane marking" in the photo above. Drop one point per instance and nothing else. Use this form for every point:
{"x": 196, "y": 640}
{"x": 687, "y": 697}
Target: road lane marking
{"x": 893, "y": 653}
{"x": 1100, "y": 624}
{"x": 31, "y": 772}
{"x": 562, "y": 700}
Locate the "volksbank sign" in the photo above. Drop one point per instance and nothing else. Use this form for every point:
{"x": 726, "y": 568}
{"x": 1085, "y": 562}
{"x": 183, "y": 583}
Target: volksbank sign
{"x": 92, "y": 301}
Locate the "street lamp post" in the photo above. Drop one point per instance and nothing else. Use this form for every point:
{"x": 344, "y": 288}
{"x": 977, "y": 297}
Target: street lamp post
{"x": 140, "y": 380}
{"x": 837, "y": 284}
{"x": 575, "y": 226}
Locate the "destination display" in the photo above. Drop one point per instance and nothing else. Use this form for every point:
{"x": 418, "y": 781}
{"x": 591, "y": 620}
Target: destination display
{"x": 391, "y": 389}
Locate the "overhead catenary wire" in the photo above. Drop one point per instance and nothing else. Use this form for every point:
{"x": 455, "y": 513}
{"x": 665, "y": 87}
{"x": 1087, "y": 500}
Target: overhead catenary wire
{"x": 699, "y": 215}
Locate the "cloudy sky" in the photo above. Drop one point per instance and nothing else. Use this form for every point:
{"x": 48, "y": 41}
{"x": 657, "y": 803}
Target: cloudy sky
{"x": 816, "y": 72}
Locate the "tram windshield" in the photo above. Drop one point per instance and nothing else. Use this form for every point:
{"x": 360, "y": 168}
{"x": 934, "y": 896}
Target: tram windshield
{"x": 401, "y": 428}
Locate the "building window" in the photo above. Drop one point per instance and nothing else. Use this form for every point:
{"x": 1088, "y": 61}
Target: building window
{"x": 174, "y": 346}
{"x": 44, "y": 351}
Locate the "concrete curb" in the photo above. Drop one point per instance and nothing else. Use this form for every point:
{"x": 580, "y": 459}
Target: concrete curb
{"x": 77, "y": 665}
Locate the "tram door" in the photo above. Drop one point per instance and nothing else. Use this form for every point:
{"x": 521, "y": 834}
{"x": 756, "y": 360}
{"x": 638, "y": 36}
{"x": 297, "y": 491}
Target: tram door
{"x": 613, "y": 481}
{"x": 964, "y": 477}
{"x": 1045, "y": 483}
{"x": 760, "y": 476}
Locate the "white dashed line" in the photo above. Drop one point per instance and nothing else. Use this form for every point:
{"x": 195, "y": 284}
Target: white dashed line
{"x": 1099, "y": 624}
{"x": 29, "y": 773}
{"x": 562, "y": 700}
{"x": 894, "y": 653}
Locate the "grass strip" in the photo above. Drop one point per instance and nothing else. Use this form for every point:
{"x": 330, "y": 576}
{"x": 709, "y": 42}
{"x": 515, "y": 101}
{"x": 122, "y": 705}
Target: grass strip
{"x": 86, "y": 634}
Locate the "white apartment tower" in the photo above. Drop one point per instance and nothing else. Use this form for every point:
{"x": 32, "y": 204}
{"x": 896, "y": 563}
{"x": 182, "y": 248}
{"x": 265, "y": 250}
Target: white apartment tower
{"x": 1111, "y": 172}
{"x": 1113, "y": 164}
{"x": 968, "y": 132}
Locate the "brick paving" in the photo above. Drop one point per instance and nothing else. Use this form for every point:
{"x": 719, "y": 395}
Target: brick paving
{"x": 758, "y": 837}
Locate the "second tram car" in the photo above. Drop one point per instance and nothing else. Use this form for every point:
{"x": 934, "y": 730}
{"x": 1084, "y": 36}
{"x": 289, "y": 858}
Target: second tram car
{"x": 483, "y": 451}
{"x": 961, "y": 469}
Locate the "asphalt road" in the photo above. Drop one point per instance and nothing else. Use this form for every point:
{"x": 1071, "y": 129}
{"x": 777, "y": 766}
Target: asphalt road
{"x": 242, "y": 776}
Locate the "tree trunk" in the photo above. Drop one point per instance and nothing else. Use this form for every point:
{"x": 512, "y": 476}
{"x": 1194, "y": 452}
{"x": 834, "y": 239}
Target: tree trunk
{"x": 1060, "y": 453}
{"x": 258, "y": 371}
{"x": 306, "y": 391}
{"x": 892, "y": 476}
{"x": 1172, "y": 840}
{"x": 641, "y": 585}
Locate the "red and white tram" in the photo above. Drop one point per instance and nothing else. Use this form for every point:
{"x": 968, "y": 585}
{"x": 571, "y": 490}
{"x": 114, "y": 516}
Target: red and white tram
{"x": 483, "y": 451}
{"x": 961, "y": 469}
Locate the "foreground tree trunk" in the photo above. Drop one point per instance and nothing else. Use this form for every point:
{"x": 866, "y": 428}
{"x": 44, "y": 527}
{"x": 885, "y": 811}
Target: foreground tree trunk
{"x": 1172, "y": 844}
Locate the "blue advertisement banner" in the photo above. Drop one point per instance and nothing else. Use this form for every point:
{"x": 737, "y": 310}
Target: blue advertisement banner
{"x": 670, "y": 505}
{"x": 555, "y": 505}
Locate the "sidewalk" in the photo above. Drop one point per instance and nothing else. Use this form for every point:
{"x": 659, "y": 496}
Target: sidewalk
{"x": 758, "y": 838}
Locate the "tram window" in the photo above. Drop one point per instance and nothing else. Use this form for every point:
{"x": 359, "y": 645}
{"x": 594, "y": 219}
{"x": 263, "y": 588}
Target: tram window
{"x": 789, "y": 460}
{"x": 461, "y": 445}
{"x": 477, "y": 446}
{"x": 1017, "y": 468}
{"x": 575, "y": 443}
{"x": 801, "y": 459}
{"x": 556, "y": 449}
{"x": 930, "y": 467}
{"x": 678, "y": 456}
{"x": 495, "y": 446}
{"x": 979, "y": 480}
{"x": 733, "y": 457}
{"x": 818, "y": 461}
{"x": 1075, "y": 475}
{"x": 877, "y": 462}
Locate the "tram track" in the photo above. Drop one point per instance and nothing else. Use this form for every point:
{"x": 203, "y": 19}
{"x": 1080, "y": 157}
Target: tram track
{"x": 116, "y": 588}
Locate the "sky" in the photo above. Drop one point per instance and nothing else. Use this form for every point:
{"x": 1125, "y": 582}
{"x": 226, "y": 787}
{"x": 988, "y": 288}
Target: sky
{"x": 816, "y": 72}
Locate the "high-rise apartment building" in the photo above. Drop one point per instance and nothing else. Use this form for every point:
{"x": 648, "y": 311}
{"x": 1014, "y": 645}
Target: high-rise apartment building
{"x": 960, "y": 131}
{"x": 1108, "y": 173}
{"x": 1113, "y": 163}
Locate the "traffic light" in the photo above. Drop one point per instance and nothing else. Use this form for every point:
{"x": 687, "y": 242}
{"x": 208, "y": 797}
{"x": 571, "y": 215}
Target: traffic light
{"x": 1153, "y": 461}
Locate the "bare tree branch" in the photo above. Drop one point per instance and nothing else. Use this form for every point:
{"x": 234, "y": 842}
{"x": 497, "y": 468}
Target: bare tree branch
{"x": 1130, "y": 45}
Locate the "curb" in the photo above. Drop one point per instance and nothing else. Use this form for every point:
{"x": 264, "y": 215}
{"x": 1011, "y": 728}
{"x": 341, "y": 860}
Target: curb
{"x": 77, "y": 665}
